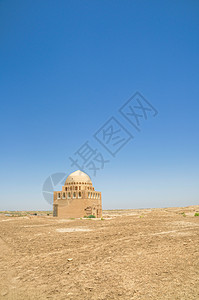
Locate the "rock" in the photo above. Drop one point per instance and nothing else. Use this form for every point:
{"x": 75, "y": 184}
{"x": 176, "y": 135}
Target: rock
{"x": 4, "y": 293}
{"x": 70, "y": 259}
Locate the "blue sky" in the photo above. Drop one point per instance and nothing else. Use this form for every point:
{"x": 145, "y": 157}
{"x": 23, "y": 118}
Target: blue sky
{"x": 66, "y": 67}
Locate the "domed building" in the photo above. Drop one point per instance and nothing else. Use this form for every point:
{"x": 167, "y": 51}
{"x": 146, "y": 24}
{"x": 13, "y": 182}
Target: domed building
{"x": 78, "y": 198}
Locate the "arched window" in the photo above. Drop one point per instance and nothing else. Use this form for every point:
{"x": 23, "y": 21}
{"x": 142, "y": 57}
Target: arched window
{"x": 69, "y": 195}
{"x": 58, "y": 195}
{"x": 66, "y": 189}
{"x": 79, "y": 188}
{"x": 79, "y": 195}
{"x": 64, "y": 195}
{"x": 71, "y": 188}
{"x": 74, "y": 195}
{"x": 76, "y": 188}
{"x": 89, "y": 195}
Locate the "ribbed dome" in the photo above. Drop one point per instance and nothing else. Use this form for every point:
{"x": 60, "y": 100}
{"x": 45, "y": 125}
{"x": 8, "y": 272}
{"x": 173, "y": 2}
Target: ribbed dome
{"x": 78, "y": 176}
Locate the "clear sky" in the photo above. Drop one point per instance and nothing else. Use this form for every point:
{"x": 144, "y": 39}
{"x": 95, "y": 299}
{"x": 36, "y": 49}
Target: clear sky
{"x": 66, "y": 68}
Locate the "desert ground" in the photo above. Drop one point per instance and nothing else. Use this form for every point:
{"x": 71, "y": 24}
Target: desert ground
{"x": 129, "y": 254}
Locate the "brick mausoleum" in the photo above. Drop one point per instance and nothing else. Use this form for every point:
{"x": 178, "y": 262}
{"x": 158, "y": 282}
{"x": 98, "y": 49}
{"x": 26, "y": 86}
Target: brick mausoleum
{"x": 78, "y": 198}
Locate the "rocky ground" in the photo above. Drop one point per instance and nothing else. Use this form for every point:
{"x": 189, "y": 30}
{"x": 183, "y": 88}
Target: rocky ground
{"x": 130, "y": 254}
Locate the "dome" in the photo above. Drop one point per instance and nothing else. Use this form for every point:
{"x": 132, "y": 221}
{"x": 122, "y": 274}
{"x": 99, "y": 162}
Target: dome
{"x": 78, "y": 176}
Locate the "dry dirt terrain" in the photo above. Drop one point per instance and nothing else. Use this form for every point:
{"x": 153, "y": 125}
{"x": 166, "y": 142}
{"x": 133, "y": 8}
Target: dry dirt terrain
{"x": 131, "y": 254}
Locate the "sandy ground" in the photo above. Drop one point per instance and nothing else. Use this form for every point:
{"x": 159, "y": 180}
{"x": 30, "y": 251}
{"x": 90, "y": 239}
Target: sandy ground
{"x": 131, "y": 254}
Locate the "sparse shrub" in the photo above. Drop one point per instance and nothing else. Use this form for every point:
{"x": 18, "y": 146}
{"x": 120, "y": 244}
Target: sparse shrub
{"x": 102, "y": 218}
{"x": 91, "y": 216}
{"x": 183, "y": 213}
{"x": 196, "y": 214}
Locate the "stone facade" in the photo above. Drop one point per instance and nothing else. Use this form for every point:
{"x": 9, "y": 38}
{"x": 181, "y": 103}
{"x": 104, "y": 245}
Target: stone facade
{"x": 78, "y": 198}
